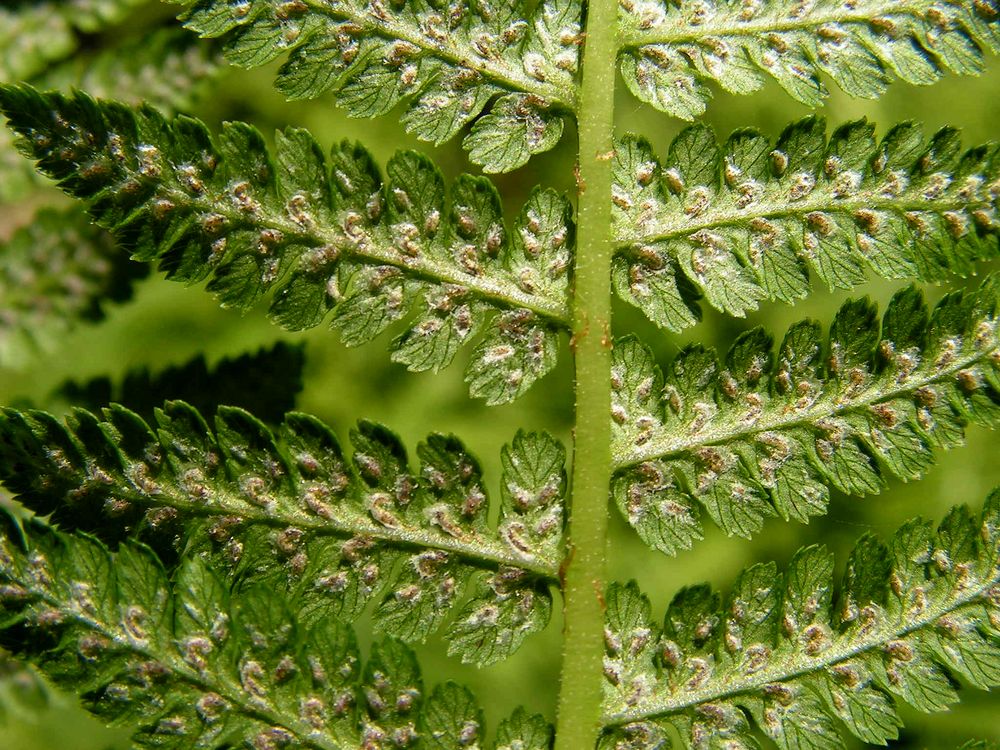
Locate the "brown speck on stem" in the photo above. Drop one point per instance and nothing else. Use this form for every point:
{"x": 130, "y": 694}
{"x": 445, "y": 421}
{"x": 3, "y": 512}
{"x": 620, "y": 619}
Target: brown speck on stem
{"x": 575, "y": 338}
{"x": 564, "y": 565}
{"x": 599, "y": 592}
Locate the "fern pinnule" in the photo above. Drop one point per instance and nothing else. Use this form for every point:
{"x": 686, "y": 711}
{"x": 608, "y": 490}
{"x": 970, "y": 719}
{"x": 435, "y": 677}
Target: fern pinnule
{"x": 802, "y": 660}
{"x": 57, "y": 272}
{"x": 290, "y": 509}
{"x": 321, "y": 234}
{"x": 672, "y": 51}
{"x": 446, "y": 65}
{"x": 767, "y": 433}
{"x": 190, "y": 662}
{"x": 265, "y": 383}
{"x": 165, "y": 68}
{"x": 752, "y": 220}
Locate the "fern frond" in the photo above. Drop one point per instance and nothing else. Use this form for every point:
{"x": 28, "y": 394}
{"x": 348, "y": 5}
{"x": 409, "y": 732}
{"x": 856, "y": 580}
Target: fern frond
{"x": 323, "y": 234}
{"x": 671, "y": 51}
{"x": 193, "y": 665}
{"x": 751, "y": 220}
{"x": 35, "y": 34}
{"x": 766, "y": 434}
{"x": 55, "y": 272}
{"x": 167, "y": 68}
{"x": 31, "y": 36}
{"x": 93, "y": 15}
{"x": 266, "y": 383}
{"x": 444, "y": 64}
{"x": 784, "y": 651}
{"x": 294, "y": 512}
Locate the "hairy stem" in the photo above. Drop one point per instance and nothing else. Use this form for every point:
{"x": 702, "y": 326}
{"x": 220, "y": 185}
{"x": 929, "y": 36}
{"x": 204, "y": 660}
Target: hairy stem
{"x": 579, "y": 710}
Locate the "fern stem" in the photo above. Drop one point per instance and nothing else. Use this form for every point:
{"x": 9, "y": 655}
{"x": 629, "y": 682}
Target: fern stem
{"x": 579, "y": 709}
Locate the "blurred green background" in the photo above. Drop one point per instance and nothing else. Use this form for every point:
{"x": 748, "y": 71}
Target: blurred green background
{"x": 168, "y": 323}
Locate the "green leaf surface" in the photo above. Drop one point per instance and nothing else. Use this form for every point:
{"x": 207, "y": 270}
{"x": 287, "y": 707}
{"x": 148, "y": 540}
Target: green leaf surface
{"x": 319, "y": 234}
{"x": 290, "y": 510}
{"x": 517, "y": 127}
{"x": 191, "y": 663}
{"x": 805, "y": 663}
{"x": 55, "y": 273}
{"x": 672, "y": 51}
{"x": 524, "y": 731}
{"x": 753, "y": 220}
{"x": 444, "y": 64}
{"x": 767, "y": 432}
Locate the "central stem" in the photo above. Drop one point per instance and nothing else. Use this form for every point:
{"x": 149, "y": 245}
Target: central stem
{"x": 579, "y": 710}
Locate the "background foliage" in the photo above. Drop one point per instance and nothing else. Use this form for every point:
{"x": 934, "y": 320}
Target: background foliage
{"x": 342, "y": 385}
